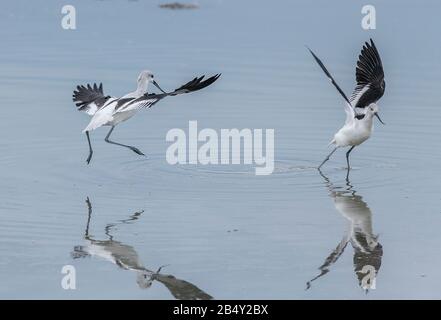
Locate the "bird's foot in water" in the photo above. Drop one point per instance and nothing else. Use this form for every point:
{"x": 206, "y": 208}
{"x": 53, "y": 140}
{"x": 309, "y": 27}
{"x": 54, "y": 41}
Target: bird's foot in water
{"x": 137, "y": 151}
{"x": 89, "y": 158}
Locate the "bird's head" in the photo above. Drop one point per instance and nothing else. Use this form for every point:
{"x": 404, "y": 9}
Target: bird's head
{"x": 145, "y": 77}
{"x": 372, "y": 110}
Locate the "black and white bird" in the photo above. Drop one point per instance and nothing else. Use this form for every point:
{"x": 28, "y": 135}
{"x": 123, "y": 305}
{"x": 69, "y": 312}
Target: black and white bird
{"x": 361, "y": 107}
{"x": 110, "y": 111}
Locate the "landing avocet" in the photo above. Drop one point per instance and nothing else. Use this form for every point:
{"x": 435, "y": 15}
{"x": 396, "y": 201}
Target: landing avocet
{"x": 110, "y": 111}
{"x": 362, "y": 107}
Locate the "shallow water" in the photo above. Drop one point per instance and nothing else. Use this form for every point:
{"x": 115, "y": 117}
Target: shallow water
{"x": 219, "y": 231}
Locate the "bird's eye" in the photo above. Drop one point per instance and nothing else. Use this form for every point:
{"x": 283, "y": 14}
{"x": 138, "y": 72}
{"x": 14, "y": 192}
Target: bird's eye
{"x": 151, "y": 76}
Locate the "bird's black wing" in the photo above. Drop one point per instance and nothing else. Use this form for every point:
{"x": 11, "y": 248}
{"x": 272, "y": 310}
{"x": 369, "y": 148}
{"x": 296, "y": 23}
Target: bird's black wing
{"x": 149, "y": 99}
{"x": 194, "y": 85}
{"x": 350, "y": 112}
{"x": 89, "y": 98}
{"x": 370, "y": 77}
{"x": 320, "y": 63}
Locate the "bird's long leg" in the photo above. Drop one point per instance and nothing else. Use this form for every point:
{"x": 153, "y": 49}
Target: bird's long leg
{"x": 347, "y": 156}
{"x": 327, "y": 158}
{"x": 90, "y": 148}
{"x": 136, "y": 150}
{"x": 347, "y": 161}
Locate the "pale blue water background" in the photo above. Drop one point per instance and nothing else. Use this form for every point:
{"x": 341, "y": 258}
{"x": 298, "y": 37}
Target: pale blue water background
{"x": 286, "y": 223}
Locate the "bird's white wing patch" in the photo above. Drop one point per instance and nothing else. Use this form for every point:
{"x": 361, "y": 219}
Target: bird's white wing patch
{"x": 137, "y": 104}
{"x": 101, "y": 117}
{"x": 91, "y": 109}
{"x": 350, "y": 113}
{"x": 90, "y": 98}
{"x": 358, "y": 93}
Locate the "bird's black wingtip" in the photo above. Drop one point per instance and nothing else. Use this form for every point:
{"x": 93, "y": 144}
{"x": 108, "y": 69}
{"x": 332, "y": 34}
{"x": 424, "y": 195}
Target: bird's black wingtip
{"x": 312, "y": 53}
{"x": 198, "y": 83}
{"x": 369, "y": 44}
{"x": 373, "y": 44}
{"x": 216, "y": 76}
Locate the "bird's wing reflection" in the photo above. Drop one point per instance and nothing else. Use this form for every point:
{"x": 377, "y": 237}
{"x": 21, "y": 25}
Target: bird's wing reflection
{"x": 126, "y": 257}
{"x": 181, "y": 289}
{"x": 330, "y": 260}
{"x": 368, "y": 252}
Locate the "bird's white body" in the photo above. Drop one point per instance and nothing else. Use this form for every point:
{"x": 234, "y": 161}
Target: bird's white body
{"x": 354, "y": 133}
{"x": 121, "y": 117}
{"x": 356, "y": 130}
{"x": 109, "y": 116}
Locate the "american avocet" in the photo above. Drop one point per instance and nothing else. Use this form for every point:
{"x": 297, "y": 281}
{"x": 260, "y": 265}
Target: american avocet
{"x": 369, "y": 89}
{"x": 110, "y": 111}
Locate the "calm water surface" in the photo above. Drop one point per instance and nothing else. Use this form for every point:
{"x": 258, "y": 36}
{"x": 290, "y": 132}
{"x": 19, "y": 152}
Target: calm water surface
{"x": 220, "y": 231}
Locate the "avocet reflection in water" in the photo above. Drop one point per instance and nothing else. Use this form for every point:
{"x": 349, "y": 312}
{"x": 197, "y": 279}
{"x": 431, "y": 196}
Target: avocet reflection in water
{"x": 126, "y": 257}
{"x": 368, "y": 251}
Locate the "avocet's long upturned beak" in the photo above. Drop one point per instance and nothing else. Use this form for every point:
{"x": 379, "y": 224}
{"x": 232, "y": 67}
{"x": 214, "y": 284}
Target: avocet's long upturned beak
{"x": 157, "y": 86}
{"x": 378, "y": 117}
